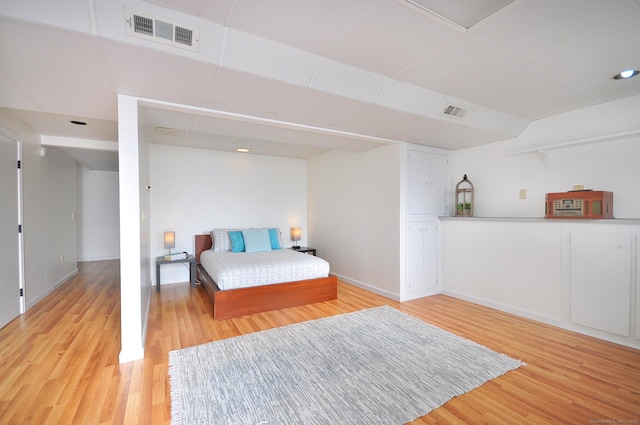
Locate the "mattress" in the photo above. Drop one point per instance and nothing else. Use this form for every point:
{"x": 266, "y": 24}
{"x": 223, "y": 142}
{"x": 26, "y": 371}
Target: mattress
{"x": 232, "y": 270}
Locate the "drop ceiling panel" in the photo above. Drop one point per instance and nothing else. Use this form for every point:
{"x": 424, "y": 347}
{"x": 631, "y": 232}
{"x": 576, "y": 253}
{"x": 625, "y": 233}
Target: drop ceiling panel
{"x": 294, "y": 151}
{"x": 312, "y": 25}
{"x": 96, "y": 129}
{"x": 530, "y": 27}
{"x": 285, "y": 135}
{"x": 256, "y": 55}
{"x": 155, "y": 117}
{"x": 72, "y": 14}
{"x": 408, "y": 98}
{"x": 544, "y": 101}
{"x": 64, "y": 94}
{"x": 506, "y": 82}
{"x": 320, "y": 109}
{"x": 393, "y": 31}
{"x": 158, "y": 75}
{"x": 21, "y": 40}
{"x": 231, "y": 89}
{"x": 198, "y": 140}
{"x": 344, "y": 80}
{"x": 217, "y": 11}
{"x": 594, "y": 58}
{"x": 463, "y": 13}
{"x": 462, "y": 61}
{"x": 372, "y": 121}
{"x": 227, "y": 127}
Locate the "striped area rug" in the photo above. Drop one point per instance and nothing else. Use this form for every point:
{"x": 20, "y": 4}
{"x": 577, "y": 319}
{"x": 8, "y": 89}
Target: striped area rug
{"x": 375, "y": 366}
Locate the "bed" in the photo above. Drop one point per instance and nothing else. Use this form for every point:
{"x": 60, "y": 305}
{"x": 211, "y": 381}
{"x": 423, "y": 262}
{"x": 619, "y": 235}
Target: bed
{"x": 267, "y": 295}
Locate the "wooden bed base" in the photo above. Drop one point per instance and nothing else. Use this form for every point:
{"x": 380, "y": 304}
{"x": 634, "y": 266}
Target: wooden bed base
{"x": 258, "y": 299}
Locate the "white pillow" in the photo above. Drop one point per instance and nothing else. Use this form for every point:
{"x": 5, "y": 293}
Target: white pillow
{"x": 220, "y": 241}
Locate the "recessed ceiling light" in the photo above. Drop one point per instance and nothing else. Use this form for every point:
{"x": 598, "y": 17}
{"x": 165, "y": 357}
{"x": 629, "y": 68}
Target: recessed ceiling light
{"x": 627, "y": 73}
{"x": 244, "y": 150}
{"x": 78, "y": 122}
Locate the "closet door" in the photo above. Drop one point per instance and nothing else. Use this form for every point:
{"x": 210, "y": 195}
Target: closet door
{"x": 601, "y": 281}
{"x": 9, "y": 236}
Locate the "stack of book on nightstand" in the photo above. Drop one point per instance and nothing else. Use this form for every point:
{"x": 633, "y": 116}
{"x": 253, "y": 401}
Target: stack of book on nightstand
{"x": 175, "y": 256}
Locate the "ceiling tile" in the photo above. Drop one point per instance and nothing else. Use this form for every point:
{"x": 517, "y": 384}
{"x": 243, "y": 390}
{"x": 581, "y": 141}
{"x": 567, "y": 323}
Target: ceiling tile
{"x": 529, "y": 27}
{"x": 20, "y": 40}
{"x": 256, "y": 55}
{"x": 408, "y": 36}
{"x": 312, "y": 25}
{"x": 64, "y": 94}
{"x": 513, "y": 80}
{"x": 344, "y": 80}
{"x": 70, "y": 14}
{"x": 156, "y": 117}
{"x": 460, "y": 62}
{"x": 408, "y": 98}
{"x": 231, "y": 89}
{"x": 544, "y": 101}
{"x": 157, "y": 75}
{"x": 217, "y": 11}
{"x": 199, "y": 140}
{"x": 588, "y": 62}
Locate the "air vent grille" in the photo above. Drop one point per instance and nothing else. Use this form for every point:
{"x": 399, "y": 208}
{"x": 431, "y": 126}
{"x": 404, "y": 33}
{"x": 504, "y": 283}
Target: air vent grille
{"x": 184, "y": 36}
{"x": 455, "y": 111}
{"x": 142, "y": 25}
{"x": 161, "y": 30}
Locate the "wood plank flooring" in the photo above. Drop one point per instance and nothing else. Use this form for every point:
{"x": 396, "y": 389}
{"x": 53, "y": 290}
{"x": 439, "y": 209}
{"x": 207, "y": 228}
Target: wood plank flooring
{"x": 59, "y": 361}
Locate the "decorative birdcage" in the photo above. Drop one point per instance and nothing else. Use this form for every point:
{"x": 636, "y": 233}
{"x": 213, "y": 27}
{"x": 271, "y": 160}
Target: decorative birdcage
{"x": 464, "y": 198}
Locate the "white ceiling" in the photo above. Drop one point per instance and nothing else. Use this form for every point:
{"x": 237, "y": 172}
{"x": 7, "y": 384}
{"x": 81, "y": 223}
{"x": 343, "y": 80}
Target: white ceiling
{"x": 297, "y": 78}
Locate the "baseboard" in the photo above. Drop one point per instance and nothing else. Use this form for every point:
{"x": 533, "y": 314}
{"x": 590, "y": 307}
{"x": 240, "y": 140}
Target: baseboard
{"x": 374, "y": 289}
{"x": 559, "y": 323}
{"x": 107, "y": 258}
{"x": 55, "y": 286}
{"x": 506, "y": 308}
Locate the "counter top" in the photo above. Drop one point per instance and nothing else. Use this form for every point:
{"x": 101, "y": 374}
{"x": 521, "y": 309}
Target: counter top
{"x": 627, "y": 221}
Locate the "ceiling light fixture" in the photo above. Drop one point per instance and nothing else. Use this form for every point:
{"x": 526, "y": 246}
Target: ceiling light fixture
{"x": 627, "y": 73}
{"x": 243, "y": 150}
{"x": 78, "y": 122}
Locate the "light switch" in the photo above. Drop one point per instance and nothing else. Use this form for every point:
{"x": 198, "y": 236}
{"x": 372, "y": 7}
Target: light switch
{"x": 523, "y": 193}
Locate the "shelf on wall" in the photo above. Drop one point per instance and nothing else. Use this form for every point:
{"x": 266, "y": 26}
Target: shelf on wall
{"x": 545, "y": 151}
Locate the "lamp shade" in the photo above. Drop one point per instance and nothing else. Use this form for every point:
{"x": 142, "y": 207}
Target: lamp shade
{"x": 169, "y": 240}
{"x": 296, "y": 233}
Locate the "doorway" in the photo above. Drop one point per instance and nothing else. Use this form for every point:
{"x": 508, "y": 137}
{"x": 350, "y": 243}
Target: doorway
{"x": 11, "y": 288}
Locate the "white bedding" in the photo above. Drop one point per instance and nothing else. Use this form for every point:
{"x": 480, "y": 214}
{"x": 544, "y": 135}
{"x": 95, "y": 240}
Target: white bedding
{"x": 232, "y": 270}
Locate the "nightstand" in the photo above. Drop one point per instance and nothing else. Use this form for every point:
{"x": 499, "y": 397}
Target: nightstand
{"x": 192, "y": 268}
{"x": 306, "y": 249}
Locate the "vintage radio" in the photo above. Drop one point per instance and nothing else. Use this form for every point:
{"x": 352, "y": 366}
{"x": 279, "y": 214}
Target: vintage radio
{"x": 579, "y": 204}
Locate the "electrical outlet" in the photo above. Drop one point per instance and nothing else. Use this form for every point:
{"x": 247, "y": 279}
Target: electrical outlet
{"x": 61, "y": 259}
{"x": 523, "y": 193}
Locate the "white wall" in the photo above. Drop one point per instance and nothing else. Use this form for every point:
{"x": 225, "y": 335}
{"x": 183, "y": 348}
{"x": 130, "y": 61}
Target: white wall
{"x": 194, "y": 191}
{"x": 98, "y": 215}
{"x": 135, "y": 285}
{"x": 517, "y": 265}
{"x": 49, "y": 202}
{"x": 356, "y": 216}
{"x": 612, "y": 166}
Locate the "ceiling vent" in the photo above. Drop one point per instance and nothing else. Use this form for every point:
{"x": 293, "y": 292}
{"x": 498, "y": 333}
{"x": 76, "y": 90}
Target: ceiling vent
{"x": 455, "y": 112}
{"x": 161, "y": 30}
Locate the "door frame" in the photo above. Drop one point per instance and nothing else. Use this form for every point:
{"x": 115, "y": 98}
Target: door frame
{"x": 18, "y": 140}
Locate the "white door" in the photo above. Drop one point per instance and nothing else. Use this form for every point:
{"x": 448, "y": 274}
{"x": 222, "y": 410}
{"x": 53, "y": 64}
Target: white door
{"x": 601, "y": 281}
{"x": 9, "y": 236}
{"x": 438, "y": 184}
{"x": 417, "y": 183}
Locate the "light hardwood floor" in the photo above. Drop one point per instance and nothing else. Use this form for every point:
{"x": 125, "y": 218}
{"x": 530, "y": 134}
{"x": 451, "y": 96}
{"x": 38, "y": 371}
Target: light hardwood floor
{"x": 59, "y": 361}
